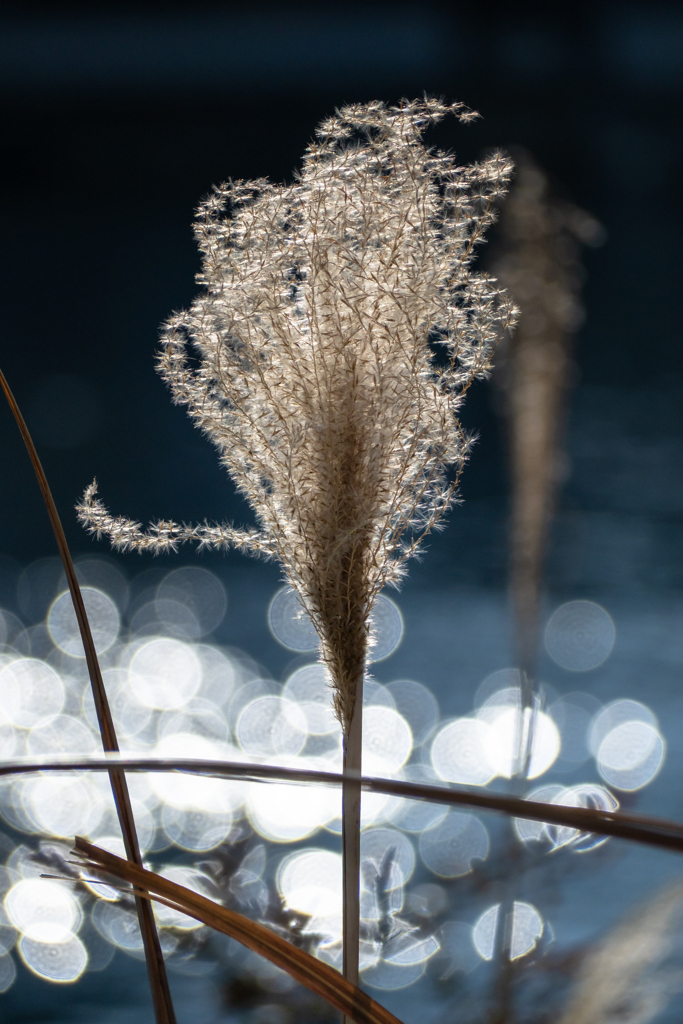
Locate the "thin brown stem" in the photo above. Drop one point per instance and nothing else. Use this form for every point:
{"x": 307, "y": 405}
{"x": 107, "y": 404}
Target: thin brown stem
{"x": 351, "y": 797}
{"x": 161, "y": 994}
{"x": 637, "y": 828}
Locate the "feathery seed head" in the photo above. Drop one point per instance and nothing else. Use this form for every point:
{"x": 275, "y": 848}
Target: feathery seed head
{"x": 324, "y": 305}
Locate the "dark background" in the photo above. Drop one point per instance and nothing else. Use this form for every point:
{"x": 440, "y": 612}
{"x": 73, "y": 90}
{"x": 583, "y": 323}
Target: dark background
{"x": 116, "y": 120}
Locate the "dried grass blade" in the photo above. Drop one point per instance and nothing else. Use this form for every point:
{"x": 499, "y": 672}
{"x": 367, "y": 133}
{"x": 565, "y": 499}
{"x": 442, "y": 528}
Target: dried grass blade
{"x": 304, "y": 968}
{"x": 638, "y": 828}
{"x": 161, "y": 994}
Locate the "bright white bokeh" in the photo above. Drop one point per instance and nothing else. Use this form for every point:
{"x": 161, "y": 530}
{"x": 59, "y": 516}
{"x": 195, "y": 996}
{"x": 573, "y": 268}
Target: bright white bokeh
{"x": 63, "y": 806}
{"x": 8, "y": 972}
{"x": 270, "y": 727}
{"x": 115, "y": 845}
{"x": 496, "y": 684}
{"x": 58, "y": 962}
{"x": 310, "y": 881}
{"x": 119, "y": 926}
{"x": 387, "y": 740}
{"x": 418, "y": 706}
{"x": 408, "y": 950}
{"x": 103, "y": 616}
{"x": 43, "y": 910}
{"x": 376, "y": 902}
{"x": 196, "y": 792}
{"x": 387, "y": 848}
{"x": 199, "y": 595}
{"x": 145, "y": 820}
{"x": 198, "y": 717}
{"x": 587, "y": 794}
{"x": 8, "y": 932}
{"x": 418, "y": 815}
{"x": 219, "y": 675}
{"x": 130, "y": 715}
{"x": 450, "y": 848}
{"x": 196, "y": 830}
{"x": 247, "y": 693}
{"x": 285, "y": 813}
{"x": 387, "y": 976}
{"x": 580, "y": 635}
{"x": 473, "y": 751}
{"x": 31, "y": 693}
{"x": 535, "y": 831}
{"x": 386, "y": 628}
{"x": 614, "y": 714}
{"x": 630, "y": 755}
{"x": 63, "y": 735}
{"x": 628, "y": 747}
{"x": 10, "y": 741}
{"x": 310, "y": 688}
{"x": 459, "y": 753}
{"x": 507, "y": 736}
{"x": 289, "y": 622}
{"x": 164, "y": 673}
{"x": 291, "y": 625}
{"x": 527, "y": 929}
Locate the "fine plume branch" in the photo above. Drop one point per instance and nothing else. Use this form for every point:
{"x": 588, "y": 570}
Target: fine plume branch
{"x": 317, "y": 976}
{"x": 340, "y": 326}
{"x": 638, "y": 828}
{"x": 161, "y": 994}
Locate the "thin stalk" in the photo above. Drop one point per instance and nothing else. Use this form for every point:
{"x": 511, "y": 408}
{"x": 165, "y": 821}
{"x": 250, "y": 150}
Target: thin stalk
{"x": 156, "y": 970}
{"x": 637, "y": 828}
{"x": 351, "y": 797}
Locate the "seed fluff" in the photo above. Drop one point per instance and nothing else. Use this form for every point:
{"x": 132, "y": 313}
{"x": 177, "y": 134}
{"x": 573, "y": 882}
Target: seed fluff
{"x": 339, "y": 327}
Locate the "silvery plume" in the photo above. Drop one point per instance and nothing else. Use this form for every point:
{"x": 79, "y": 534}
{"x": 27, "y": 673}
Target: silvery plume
{"x": 339, "y": 325}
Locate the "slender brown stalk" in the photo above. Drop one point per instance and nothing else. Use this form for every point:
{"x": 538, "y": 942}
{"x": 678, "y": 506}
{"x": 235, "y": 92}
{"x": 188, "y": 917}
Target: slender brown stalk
{"x": 638, "y": 828}
{"x": 304, "y": 968}
{"x": 351, "y": 797}
{"x": 161, "y": 994}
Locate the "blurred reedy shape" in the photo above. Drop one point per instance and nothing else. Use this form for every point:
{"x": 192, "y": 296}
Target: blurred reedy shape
{"x": 624, "y": 978}
{"x": 538, "y": 262}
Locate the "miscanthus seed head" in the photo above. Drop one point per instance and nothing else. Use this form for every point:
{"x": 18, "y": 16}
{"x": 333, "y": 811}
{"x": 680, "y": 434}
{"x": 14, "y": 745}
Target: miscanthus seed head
{"x": 339, "y": 326}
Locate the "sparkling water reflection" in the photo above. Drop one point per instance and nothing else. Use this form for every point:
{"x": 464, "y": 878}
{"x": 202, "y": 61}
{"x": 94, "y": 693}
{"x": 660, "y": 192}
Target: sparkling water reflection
{"x": 176, "y": 694}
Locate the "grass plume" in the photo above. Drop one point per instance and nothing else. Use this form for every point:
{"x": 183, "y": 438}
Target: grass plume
{"x": 340, "y": 326}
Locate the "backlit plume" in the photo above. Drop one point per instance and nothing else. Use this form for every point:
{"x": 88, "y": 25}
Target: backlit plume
{"x": 339, "y": 326}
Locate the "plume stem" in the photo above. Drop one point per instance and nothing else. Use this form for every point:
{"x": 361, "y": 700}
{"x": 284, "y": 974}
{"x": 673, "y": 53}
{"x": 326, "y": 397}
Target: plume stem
{"x": 351, "y": 797}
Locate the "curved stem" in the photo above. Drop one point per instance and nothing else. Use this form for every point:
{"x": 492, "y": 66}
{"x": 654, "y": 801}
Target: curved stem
{"x": 636, "y": 828}
{"x": 156, "y": 970}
